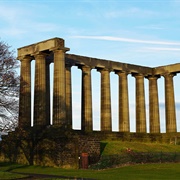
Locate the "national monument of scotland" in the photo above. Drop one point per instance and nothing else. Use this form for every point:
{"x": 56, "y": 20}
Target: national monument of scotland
{"x": 57, "y": 142}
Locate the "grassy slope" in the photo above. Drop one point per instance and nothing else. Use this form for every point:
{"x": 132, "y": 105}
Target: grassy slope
{"x": 8, "y": 175}
{"x": 117, "y": 147}
{"x": 138, "y": 172}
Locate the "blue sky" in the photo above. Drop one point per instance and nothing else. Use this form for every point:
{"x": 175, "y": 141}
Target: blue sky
{"x": 137, "y": 32}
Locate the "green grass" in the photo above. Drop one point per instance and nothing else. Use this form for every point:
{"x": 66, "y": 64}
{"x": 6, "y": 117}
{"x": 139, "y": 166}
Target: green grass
{"x": 118, "y": 147}
{"x": 138, "y": 172}
{"x": 8, "y": 175}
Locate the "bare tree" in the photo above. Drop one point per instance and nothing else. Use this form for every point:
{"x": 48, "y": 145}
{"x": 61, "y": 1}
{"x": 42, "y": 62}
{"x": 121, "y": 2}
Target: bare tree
{"x": 9, "y": 88}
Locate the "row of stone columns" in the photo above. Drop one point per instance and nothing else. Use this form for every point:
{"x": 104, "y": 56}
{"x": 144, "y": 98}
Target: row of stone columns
{"x": 42, "y": 90}
{"x": 62, "y": 96}
{"x": 106, "y": 124}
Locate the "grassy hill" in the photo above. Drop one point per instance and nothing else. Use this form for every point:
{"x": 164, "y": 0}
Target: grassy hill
{"x": 119, "y": 153}
{"x": 110, "y": 147}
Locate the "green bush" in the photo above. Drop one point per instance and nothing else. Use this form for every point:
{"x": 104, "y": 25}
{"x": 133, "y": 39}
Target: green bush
{"x": 110, "y": 161}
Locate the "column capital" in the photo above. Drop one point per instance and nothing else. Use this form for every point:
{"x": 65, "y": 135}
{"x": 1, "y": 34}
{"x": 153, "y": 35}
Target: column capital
{"x": 40, "y": 54}
{"x": 168, "y": 75}
{"x": 102, "y": 70}
{"x": 120, "y": 72}
{"x": 137, "y": 75}
{"x": 60, "y": 49}
{"x": 149, "y": 77}
{"x": 25, "y": 58}
{"x": 84, "y": 68}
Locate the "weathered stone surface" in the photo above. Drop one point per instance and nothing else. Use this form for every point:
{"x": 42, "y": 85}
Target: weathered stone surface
{"x": 59, "y": 94}
{"x": 107, "y": 64}
{"x": 86, "y": 100}
{"x": 106, "y": 124}
{"x": 140, "y": 104}
{"x": 47, "y": 45}
{"x": 170, "y": 103}
{"x": 172, "y": 68}
{"x": 123, "y": 102}
{"x": 153, "y": 105}
{"x": 25, "y": 93}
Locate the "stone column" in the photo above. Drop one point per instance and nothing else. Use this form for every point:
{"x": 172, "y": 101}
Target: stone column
{"x": 154, "y": 120}
{"x": 170, "y": 104}
{"x": 59, "y": 96}
{"x": 86, "y": 104}
{"x": 106, "y": 124}
{"x": 48, "y": 92}
{"x": 123, "y": 102}
{"x": 40, "y": 90}
{"x": 140, "y": 104}
{"x": 68, "y": 96}
{"x": 25, "y": 92}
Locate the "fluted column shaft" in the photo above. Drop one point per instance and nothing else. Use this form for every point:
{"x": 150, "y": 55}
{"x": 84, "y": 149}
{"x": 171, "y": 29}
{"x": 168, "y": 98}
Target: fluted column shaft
{"x": 59, "y": 96}
{"x": 123, "y": 103}
{"x": 86, "y": 104}
{"x": 140, "y": 104}
{"x": 25, "y": 92}
{"x": 170, "y": 104}
{"x": 40, "y": 90}
{"x": 68, "y": 96}
{"x": 153, "y": 105}
{"x": 47, "y": 92}
{"x": 106, "y": 124}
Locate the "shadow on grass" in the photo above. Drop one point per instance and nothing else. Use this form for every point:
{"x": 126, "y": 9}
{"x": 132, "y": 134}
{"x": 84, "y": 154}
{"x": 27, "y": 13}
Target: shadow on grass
{"x": 9, "y": 166}
{"x": 102, "y": 147}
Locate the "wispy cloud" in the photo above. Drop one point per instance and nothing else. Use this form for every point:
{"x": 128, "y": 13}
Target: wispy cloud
{"x": 163, "y": 49}
{"x": 9, "y": 14}
{"x": 18, "y": 21}
{"x": 151, "y": 26}
{"x": 128, "y": 40}
{"x": 133, "y": 11}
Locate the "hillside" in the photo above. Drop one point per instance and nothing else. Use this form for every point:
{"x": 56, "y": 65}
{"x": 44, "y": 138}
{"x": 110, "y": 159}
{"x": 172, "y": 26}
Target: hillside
{"x": 118, "y": 147}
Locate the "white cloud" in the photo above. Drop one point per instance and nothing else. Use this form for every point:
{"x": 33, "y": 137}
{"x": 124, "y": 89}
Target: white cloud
{"x": 128, "y": 40}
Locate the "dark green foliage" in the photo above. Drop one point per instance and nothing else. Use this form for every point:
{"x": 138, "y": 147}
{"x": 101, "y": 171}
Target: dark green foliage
{"x": 110, "y": 161}
{"x": 35, "y": 143}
